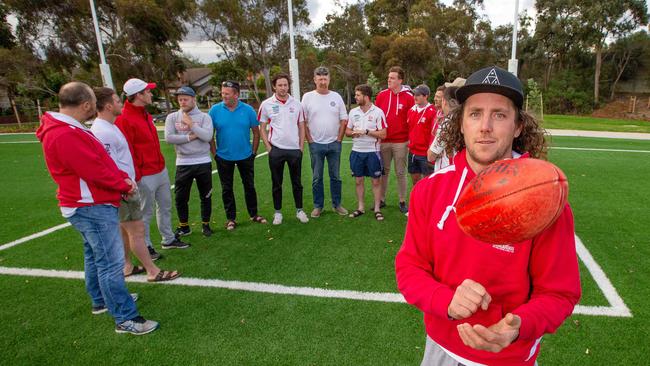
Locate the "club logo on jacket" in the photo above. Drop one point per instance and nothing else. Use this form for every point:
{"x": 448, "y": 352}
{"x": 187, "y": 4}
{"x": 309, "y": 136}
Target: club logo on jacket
{"x": 400, "y": 106}
{"x": 504, "y": 247}
{"x": 332, "y": 104}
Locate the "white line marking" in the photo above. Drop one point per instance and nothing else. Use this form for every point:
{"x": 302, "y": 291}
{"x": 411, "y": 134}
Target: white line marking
{"x": 596, "y": 149}
{"x": 617, "y": 308}
{"x": 19, "y": 142}
{"x": 33, "y": 236}
{"x": 64, "y": 225}
{"x": 230, "y": 285}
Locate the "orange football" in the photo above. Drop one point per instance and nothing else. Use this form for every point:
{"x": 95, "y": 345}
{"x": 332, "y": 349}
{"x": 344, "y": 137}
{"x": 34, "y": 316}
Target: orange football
{"x": 512, "y": 200}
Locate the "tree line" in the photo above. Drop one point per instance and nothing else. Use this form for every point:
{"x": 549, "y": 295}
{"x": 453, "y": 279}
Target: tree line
{"x": 576, "y": 51}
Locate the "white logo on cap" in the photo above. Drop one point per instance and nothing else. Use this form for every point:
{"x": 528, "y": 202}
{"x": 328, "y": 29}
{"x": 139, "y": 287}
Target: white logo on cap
{"x": 492, "y": 78}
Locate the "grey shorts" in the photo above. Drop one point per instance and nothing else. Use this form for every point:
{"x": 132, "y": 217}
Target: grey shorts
{"x": 130, "y": 209}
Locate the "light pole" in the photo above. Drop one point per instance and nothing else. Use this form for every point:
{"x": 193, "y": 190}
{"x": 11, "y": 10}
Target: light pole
{"x": 513, "y": 63}
{"x": 293, "y": 62}
{"x": 103, "y": 66}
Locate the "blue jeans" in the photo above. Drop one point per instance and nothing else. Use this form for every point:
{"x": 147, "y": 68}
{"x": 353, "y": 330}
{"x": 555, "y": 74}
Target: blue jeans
{"x": 99, "y": 227}
{"x": 318, "y": 153}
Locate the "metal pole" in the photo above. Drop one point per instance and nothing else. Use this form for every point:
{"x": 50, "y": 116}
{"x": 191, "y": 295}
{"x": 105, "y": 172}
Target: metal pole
{"x": 293, "y": 62}
{"x": 103, "y": 66}
{"x": 513, "y": 63}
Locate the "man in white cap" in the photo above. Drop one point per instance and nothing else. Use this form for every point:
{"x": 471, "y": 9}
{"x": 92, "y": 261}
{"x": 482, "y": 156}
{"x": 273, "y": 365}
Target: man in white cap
{"x": 150, "y": 172}
{"x": 190, "y": 131}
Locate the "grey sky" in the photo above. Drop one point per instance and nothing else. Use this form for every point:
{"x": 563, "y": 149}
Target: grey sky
{"x": 499, "y": 12}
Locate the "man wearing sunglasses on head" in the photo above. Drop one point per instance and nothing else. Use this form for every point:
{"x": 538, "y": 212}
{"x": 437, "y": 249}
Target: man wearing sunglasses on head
{"x": 233, "y": 122}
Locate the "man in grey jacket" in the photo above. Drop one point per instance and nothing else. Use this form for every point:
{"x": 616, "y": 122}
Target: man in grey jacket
{"x": 190, "y": 131}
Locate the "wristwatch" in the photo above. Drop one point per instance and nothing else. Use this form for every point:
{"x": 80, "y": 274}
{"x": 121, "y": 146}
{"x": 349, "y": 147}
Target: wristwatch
{"x": 367, "y": 131}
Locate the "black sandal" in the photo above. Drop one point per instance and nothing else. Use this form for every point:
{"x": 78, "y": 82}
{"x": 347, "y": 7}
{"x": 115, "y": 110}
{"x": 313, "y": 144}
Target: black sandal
{"x": 379, "y": 216}
{"x": 136, "y": 270}
{"x": 259, "y": 219}
{"x": 356, "y": 213}
{"x": 164, "y": 276}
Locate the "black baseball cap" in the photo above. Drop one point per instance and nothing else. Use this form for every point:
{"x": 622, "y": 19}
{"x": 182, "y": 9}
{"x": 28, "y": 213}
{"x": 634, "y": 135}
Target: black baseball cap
{"x": 492, "y": 79}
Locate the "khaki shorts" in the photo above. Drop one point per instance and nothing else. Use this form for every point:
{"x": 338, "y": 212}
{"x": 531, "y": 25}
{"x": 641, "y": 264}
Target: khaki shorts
{"x": 130, "y": 209}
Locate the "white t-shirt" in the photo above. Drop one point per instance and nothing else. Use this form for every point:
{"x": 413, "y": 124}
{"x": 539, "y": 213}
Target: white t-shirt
{"x": 373, "y": 120}
{"x": 324, "y": 113}
{"x": 283, "y": 120}
{"x": 116, "y": 145}
{"x": 442, "y": 161}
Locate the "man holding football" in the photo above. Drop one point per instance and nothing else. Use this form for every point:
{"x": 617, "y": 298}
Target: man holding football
{"x": 485, "y": 303}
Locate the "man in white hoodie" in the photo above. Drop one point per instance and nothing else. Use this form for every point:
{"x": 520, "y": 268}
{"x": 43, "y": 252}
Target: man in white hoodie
{"x": 190, "y": 131}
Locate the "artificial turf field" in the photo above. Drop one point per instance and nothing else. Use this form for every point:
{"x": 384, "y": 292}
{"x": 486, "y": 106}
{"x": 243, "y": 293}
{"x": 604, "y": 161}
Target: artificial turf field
{"x": 48, "y": 320}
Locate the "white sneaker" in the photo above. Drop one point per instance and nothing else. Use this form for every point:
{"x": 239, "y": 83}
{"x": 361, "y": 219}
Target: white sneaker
{"x": 302, "y": 217}
{"x": 277, "y": 218}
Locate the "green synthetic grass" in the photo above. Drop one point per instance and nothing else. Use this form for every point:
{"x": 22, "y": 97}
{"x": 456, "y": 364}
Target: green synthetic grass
{"x": 588, "y": 123}
{"x": 48, "y": 321}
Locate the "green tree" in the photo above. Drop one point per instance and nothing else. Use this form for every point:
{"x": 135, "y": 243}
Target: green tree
{"x": 250, "y": 31}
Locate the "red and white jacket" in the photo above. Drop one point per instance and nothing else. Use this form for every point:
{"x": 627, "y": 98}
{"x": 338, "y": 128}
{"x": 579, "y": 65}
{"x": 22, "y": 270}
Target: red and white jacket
{"x": 536, "y": 279}
{"x": 138, "y": 128}
{"x": 395, "y": 107}
{"x": 422, "y": 124}
{"x": 79, "y": 164}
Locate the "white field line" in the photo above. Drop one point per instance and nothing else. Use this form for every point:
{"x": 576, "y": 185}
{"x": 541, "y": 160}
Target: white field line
{"x": 19, "y": 142}
{"x": 616, "y": 309}
{"x": 63, "y": 226}
{"x": 596, "y": 149}
{"x": 33, "y": 236}
{"x": 617, "y": 306}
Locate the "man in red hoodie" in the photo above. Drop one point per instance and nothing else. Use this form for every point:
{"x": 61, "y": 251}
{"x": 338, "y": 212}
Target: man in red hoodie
{"x": 423, "y": 122}
{"x": 150, "y": 172}
{"x": 395, "y": 102}
{"x": 90, "y": 187}
{"x": 485, "y": 303}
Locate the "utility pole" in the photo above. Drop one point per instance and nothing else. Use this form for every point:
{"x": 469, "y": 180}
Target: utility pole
{"x": 293, "y": 62}
{"x": 513, "y": 63}
{"x": 103, "y": 66}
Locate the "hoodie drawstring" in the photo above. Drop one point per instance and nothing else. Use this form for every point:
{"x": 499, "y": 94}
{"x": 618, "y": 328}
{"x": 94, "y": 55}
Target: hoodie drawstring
{"x": 441, "y": 223}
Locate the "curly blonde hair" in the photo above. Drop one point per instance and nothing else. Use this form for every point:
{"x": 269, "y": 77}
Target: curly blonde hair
{"x": 530, "y": 140}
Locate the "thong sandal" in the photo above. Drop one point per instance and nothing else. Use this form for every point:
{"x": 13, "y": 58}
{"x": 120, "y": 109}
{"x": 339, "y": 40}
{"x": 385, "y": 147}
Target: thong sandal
{"x": 356, "y": 213}
{"x": 259, "y": 219}
{"x": 230, "y": 225}
{"x": 136, "y": 270}
{"x": 164, "y": 276}
{"x": 379, "y": 216}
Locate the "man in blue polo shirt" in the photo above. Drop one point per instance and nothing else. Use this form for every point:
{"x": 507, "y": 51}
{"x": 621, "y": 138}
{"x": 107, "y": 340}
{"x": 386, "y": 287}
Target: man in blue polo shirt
{"x": 233, "y": 121}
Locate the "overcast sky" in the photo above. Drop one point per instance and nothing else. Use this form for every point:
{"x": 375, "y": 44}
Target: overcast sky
{"x": 499, "y": 12}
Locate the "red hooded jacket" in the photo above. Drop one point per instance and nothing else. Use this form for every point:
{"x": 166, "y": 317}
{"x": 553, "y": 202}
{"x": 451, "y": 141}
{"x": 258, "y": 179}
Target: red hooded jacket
{"x": 537, "y": 279}
{"x": 395, "y": 107}
{"x": 422, "y": 126}
{"x": 79, "y": 164}
{"x": 138, "y": 128}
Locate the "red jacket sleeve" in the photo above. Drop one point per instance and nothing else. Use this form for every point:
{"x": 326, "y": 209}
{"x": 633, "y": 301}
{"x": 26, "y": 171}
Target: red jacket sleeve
{"x": 413, "y": 262}
{"x": 555, "y": 280}
{"x": 91, "y": 163}
{"x": 129, "y": 134}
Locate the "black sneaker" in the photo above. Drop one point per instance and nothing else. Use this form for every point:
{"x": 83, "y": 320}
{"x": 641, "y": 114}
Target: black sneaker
{"x": 154, "y": 255}
{"x": 403, "y": 208}
{"x": 182, "y": 231}
{"x": 206, "y": 230}
{"x": 382, "y": 204}
{"x": 176, "y": 244}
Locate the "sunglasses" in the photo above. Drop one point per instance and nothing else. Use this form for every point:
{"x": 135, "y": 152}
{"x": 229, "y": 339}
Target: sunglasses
{"x": 322, "y": 72}
{"x": 230, "y": 84}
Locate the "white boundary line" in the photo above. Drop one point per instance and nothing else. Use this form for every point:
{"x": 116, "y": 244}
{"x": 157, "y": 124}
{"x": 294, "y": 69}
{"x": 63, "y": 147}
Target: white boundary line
{"x": 34, "y": 236}
{"x": 19, "y": 142}
{"x": 596, "y": 149}
{"x": 617, "y": 307}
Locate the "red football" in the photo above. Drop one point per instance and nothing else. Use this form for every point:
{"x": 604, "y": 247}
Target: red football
{"x": 512, "y": 201}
